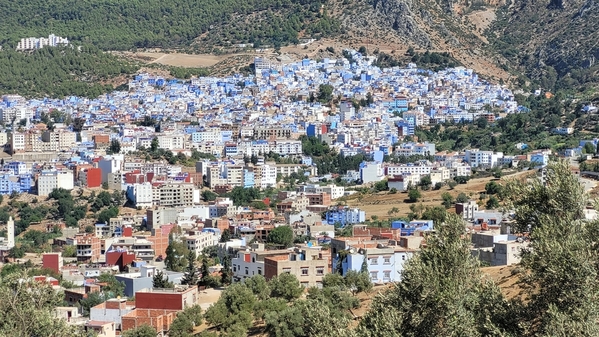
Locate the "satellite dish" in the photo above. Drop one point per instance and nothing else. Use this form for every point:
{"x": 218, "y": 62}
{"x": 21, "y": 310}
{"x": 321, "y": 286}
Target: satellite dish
{"x": 352, "y": 251}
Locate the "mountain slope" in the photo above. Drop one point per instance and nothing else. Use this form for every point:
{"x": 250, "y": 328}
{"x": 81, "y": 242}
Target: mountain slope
{"x": 121, "y": 25}
{"x": 550, "y": 40}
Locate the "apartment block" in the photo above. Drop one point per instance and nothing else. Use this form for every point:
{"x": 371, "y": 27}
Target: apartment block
{"x": 309, "y": 265}
{"x": 52, "y": 179}
{"x": 173, "y": 195}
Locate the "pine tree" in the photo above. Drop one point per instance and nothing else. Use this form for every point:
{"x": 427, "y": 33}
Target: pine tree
{"x": 226, "y": 273}
{"x": 205, "y": 274}
{"x": 190, "y": 277}
{"x": 161, "y": 281}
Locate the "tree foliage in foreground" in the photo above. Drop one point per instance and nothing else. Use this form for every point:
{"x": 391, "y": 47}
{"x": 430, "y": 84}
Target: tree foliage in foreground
{"x": 27, "y": 309}
{"x": 562, "y": 260}
{"x": 442, "y": 293}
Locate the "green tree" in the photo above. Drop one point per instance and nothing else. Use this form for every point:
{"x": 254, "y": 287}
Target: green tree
{"x": 226, "y": 274}
{"x": 437, "y": 213}
{"x": 425, "y": 182}
{"x": 462, "y": 198}
{"x": 357, "y": 282}
{"x": 492, "y": 203}
{"x": 281, "y": 236}
{"x": 208, "y": 195}
{"x": 447, "y": 199}
{"x": 442, "y": 293}
{"x": 325, "y": 93}
{"x": 186, "y": 321}
{"x": 115, "y": 146}
{"x": 588, "y": 148}
{"x": 493, "y": 188}
{"x": 154, "y": 145}
{"x": 143, "y": 330}
{"x": 306, "y": 318}
{"x": 451, "y": 184}
{"x": 176, "y": 253}
{"x": 91, "y": 301}
{"x": 190, "y": 277}
{"x": 562, "y": 259}
{"x": 259, "y": 287}
{"x": 414, "y": 194}
{"x": 286, "y": 286}
{"x": 112, "y": 285}
{"x": 27, "y": 309}
{"x": 225, "y": 235}
{"x": 161, "y": 281}
{"x": 233, "y": 310}
{"x": 333, "y": 280}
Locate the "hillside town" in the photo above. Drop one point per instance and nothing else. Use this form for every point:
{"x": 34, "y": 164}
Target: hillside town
{"x": 221, "y": 169}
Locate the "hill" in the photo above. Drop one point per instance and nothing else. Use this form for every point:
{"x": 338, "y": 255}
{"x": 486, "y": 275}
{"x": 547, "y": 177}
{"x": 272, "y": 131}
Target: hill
{"x": 124, "y": 25}
{"x": 550, "y": 43}
{"x": 554, "y": 42}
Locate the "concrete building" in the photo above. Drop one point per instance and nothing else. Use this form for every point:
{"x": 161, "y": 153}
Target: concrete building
{"x": 467, "y": 209}
{"x": 179, "y": 298}
{"x": 403, "y": 182}
{"x": 134, "y": 282}
{"x": 498, "y": 249}
{"x": 110, "y": 164}
{"x": 344, "y": 215}
{"x": 7, "y": 244}
{"x": 100, "y": 328}
{"x": 112, "y": 310}
{"x": 478, "y": 158}
{"x": 160, "y": 216}
{"x": 140, "y": 194}
{"x": 52, "y": 179}
{"x": 371, "y": 172}
{"x": 249, "y": 263}
{"x": 385, "y": 261}
{"x": 88, "y": 248}
{"x": 198, "y": 241}
{"x": 310, "y": 265}
{"x": 173, "y": 195}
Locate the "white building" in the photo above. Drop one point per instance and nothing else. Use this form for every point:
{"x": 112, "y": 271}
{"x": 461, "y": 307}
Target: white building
{"x": 110, "y": 164}
{"x": 140, "y": 194}
{"x": 371, "y": 172}
{"x": 50, "y": 180}
{"x": 32, "y": 43}
{"x": 404, "y": 181}
{"x": 477, "y": 158}
{"x": 9, "y": 243}
{"x": 199, "y": 241}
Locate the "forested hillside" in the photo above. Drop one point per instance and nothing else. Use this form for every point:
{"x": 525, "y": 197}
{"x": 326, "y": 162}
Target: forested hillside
{"x": 59, "y": 72}
{"x": 554, "y": 42}
{"x": 122, "y": 25}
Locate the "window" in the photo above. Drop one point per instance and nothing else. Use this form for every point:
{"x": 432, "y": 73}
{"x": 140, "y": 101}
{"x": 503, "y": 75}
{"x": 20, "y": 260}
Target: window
{"x": 304, "y": 271}
{"x": 320, "y": 271}
{"x": 259, "y": 271}
{"x": 387, "y": 260}
{"x": 247, "y": 271}
{"x": 387, "y": 275}
{"x": 287, "y": 270}
{"x": 374, "y": 276}
{"x": 403, "y": 257}
{"x": 374, "y": 261}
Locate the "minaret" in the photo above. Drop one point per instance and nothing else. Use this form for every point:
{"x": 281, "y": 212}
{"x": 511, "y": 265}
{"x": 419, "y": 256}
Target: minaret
{"x": 10, "y": 232}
